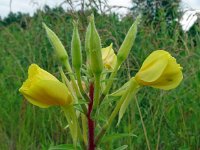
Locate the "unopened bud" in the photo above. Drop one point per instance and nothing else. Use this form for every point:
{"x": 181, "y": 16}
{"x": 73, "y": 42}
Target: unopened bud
{"x": 87, "y": 40}
{"x": 109, "y": 58}
{"x": 76, "y": 48}
{"x": 56, "y": 43}
{"x": 128, "y": 41}
{"x": 95, "y": 49}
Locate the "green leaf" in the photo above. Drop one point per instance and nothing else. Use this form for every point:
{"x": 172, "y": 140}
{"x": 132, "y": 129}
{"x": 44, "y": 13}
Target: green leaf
{"x": 80, "y": 102}
{"x": 62, "y": 147}
{"x": 117, "y": 136}
{"x": 122, "y": 147}
{"x": 132, "y": 89}
{"x": 123, "y": 109}
{"x": 109, "y": 99}
{"x": 121, "y": 90}
{"x": 77, "y": 106}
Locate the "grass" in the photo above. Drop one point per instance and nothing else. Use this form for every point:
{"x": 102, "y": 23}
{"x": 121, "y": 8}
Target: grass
{"x": 171, "y": 117}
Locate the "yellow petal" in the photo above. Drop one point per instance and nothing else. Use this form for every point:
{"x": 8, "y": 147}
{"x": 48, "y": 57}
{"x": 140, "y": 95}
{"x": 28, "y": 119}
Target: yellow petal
{"x": 36, "y": 103}
{"x": 35, "y": 71}
{"x": 153, "y": 66}
{"x": 109, "y": 58}
{"x": 35, "y": 74}
{"x": 111, "y": 62}
{"x": 172, "y": 76}
{"x": 47, "y": 93}
{"x": 169, "y": 83}
{"x": 106, "y": 51}
{"x": 160, "y": 70}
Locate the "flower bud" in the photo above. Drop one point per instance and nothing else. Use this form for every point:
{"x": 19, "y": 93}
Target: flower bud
{"x": 128, "y": 42}
{"x": 56, "y": 43}
{"x": 160, "y": 70}
{"x": 109, "y": 58}
{"x": 43, "y": 89}
{"x": 87, "y": 41}
{"x": 87, "y": 47}
{"x": 95, "y": 49}
{"x": 76, "y": 48}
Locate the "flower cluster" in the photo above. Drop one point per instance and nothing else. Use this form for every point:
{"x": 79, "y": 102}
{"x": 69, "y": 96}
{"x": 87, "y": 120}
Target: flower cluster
{"x": 88, "y": 90}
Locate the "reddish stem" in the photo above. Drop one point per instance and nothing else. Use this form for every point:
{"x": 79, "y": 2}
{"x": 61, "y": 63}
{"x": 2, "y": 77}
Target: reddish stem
{"x": 91, "y": 145}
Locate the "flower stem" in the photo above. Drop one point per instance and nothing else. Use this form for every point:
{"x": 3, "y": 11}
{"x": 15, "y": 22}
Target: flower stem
{"x": 74, "y": 127}
{"x": 72, "y": 124}
{"x": 84, "y": 127}
{"x": 68, "y": 67}
{"x": 97, "y": 93}
{"x": 78, "y": 75}
{"x": 91, "y": 144}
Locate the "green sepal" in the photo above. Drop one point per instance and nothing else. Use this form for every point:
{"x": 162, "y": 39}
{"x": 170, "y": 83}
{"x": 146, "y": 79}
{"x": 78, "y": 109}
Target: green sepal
{"x": 76, "y": 48}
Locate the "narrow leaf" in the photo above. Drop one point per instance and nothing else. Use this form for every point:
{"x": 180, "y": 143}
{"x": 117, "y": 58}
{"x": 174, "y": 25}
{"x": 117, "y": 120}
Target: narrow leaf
{"x": 117, "y": 136}
{"x": 122, "y": 147}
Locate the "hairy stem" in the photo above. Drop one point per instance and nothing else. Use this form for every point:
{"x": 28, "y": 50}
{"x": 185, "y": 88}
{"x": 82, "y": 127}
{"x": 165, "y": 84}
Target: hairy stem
{"x": 91, "y": 144}
{"x": 97, "y": 93}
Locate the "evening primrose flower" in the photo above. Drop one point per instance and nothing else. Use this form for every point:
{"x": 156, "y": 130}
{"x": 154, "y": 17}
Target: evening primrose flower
{"x": 43, "y": 89}
{"x": 160, "y": 70}
{"x": 109, "y": 58}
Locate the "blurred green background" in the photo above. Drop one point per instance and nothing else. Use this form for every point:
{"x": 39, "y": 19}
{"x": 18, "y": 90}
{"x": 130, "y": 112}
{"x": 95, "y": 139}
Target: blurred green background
{"x": 172, "y": 118}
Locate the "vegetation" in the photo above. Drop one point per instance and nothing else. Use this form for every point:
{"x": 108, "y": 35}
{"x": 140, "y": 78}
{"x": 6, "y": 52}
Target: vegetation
{"x": 171, "y": 118}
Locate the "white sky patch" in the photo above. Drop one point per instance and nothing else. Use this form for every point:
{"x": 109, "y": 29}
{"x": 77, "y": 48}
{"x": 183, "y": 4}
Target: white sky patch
{"x": 192, "y": 11}
{"x": 30, "y": 6}
{"x": 124, "y": 3}
{"x": 191, "y": 4}
{"x": 188, "y": 19}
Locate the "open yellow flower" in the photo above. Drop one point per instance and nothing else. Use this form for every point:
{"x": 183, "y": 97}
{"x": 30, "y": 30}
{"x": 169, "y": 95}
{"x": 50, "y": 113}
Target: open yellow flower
{"x": 160, "y": 70}
{"x": 43, "y": 89}
{"x": 109, "y": 57}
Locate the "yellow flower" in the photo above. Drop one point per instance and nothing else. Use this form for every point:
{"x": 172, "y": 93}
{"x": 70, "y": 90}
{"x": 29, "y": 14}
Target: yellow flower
{"x": 109, "y": 57}
{"x": 160, "y": 70}
{"x": 43, "y": 89}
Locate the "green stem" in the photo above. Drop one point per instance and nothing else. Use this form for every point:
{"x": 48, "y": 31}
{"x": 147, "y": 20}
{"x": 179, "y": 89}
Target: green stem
{"x": 72, "y": 124}
{"x": 133, "y": 87}
{"x": 97, "y": 90}
{"x": 80, "y": 135}
{"x": 84, "y": 127}
{"x": 68, "y": 67}
{"x": 110, "y": 81}
{"x": 67, "y": 83}
{"x": 78, "y": 75}
{"x": 74, "y": 127}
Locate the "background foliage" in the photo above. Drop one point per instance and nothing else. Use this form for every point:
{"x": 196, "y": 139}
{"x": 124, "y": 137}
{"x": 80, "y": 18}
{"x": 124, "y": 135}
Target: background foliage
{"x": 171, "y": 118}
